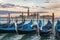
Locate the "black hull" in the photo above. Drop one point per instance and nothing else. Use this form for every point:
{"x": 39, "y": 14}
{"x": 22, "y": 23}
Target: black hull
{"x": 44, "y": 33}
{"x": 19, "y": 31}
{"x": 57, "y": 34}
{"x": 26, "y": 32}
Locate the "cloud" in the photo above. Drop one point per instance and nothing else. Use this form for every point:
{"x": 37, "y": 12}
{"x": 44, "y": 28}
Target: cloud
{"x": 3, "y": 0}
{"x": 52, "y": 5}
{"x": 28, "y": 4}
{"x": 55, "y": 1}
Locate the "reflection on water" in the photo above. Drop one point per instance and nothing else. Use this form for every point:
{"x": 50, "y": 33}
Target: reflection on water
{"x": 30, "y": 37}
{"x": 14, "y": 36}
{"x": 11, "y": 36}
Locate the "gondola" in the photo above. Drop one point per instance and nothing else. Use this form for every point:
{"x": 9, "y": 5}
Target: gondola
{"x": 21, "y": 28}
{"x": 30, "y": 28}
{"x": 9, "y": 28}
{"x": 57, "y": 28}
{"x": 46, "y": 29}
{"x": 27, "y": 28}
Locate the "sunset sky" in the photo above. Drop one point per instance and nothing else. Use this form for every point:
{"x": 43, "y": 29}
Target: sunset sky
{"x": 34, "y": 5}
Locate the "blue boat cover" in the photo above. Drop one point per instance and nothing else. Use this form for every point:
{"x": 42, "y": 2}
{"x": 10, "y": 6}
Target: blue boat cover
{"x": 40, "y": 23}
{"x": 57, "y": 25}
{"x": 5, "y": 25}
{"x": 47, "y": 26}
{"x": 20, "y": 25}
{"x": 9, "y": 27}
{"x": 44, "y": 30}
{"x": 28, "y": 25}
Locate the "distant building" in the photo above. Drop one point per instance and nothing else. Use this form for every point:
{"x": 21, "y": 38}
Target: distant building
{"x": 46, "y": 16}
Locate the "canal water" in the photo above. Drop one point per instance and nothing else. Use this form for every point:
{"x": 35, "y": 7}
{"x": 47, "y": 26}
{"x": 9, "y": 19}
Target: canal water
{"x": 14, "y": 36}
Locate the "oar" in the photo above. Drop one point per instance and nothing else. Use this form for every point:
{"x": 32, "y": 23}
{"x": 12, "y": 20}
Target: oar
{"x": 16, "y": 27}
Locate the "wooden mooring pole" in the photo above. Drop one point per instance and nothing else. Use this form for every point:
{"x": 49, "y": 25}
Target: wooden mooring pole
{"x": 37, "y": 24}
{"x": 33, "y": 19}
{"x": 53, "y": 31}
{"x": 8, "y": 17}
{"x": 22, "y": 17}
{"x": 28, "y": 12}
{"x": 43, "y": 20}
